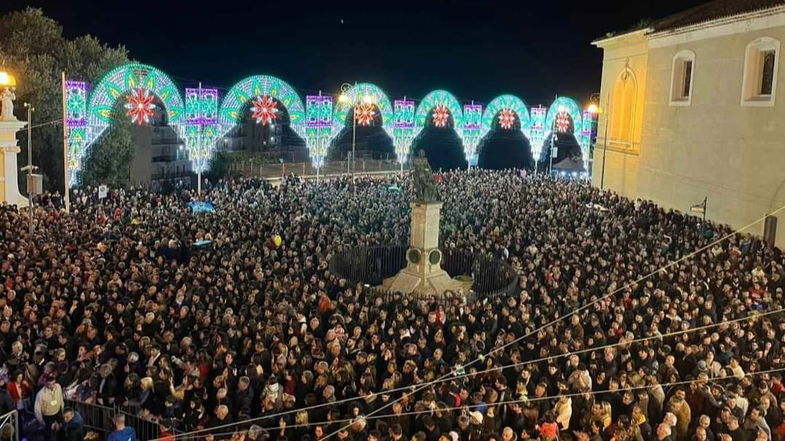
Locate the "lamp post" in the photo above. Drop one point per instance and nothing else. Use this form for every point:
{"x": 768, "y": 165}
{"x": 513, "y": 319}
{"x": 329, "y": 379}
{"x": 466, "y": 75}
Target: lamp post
{"x": 594, "y": 111}
{"x": 605, "y": 144}
{"x": 350, "y": 98}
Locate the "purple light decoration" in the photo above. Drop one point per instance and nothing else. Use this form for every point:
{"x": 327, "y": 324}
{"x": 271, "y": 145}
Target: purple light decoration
{"x": 538, "y": 117}
{"x": 201, "y": 106}
{"x": 472, "y": 116}
{"x": 76, "y": 103}
{"x": 404, "y": 114}
{"x": 322, "y": 114}
{"x": 208, "y": 106}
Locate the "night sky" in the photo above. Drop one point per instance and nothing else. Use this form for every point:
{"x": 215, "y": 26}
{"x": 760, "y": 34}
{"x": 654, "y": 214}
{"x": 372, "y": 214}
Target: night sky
{"x": 475, "y": 49}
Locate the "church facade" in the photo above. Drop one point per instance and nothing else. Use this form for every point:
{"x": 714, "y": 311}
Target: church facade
{"x": 690, "y": 111}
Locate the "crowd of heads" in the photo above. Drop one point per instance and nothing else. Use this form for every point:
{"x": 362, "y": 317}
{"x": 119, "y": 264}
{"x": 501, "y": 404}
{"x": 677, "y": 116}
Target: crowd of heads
{"x": 230, "y": 323}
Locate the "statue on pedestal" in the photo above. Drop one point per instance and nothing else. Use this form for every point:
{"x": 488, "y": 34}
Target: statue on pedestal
{"x": 424, "y": 186}
{"x": 7, "y": 105}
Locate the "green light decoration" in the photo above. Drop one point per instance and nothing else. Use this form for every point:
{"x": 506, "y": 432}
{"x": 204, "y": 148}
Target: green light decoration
{"x": 201, "y": 114}
{"x": 569, "y": 106}
{"x": 403, "y": 128}
{"x": 318, "y": 126}
{"x": 116, "y": 84}
{"x": 472, "y": 131}
{"x": 537, "y": 129}
{"x": 503, "y": 112}
{"x": 438, "y": 101}
{"x": 358, "y": 94}
{"x": 254, "y": 88}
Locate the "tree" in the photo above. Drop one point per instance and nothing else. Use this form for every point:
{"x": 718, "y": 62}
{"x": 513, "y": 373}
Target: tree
{"x": 34, "y": 50}
{"x": 110, "y": 156}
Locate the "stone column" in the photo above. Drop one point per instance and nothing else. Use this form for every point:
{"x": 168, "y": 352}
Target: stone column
{"x": 9, "y": 183}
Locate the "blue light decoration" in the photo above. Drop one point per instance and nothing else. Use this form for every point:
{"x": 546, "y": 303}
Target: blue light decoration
{"x": 403, "y": 128}
{"x": 318, "y": 126}
{"x": 505, "y": 112}
{"x": 537, "y": 129}
{"x": 200, "y": 131}
{"x": 471, "y": 131}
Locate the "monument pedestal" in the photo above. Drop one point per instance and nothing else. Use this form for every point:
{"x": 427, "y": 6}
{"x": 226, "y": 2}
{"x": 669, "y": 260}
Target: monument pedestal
{"x": 9, "y": 183}
{"x": 423, "y": 275}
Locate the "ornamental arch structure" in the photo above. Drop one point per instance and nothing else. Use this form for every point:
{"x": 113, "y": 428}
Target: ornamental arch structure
{"x": 88, "y": 118}
{"x": 507, "y": 112}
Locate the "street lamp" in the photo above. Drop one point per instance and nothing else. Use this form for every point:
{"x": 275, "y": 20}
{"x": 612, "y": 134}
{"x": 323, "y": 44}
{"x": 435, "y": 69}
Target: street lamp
{"x": 350, "y": 98}
{"x": 594, "y": 109}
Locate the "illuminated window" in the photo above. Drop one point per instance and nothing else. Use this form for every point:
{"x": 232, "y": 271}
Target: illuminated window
{"x": 682, "y": 78}
{"x": 759, "y": 83}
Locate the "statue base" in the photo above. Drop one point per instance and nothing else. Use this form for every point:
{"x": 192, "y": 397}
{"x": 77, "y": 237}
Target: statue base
{"x": 9, "y": 184}
{"x": 423, "y": 275}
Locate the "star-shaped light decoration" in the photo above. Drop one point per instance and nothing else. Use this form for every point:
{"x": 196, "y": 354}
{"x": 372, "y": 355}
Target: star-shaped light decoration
{"x": 506, "y": 118}
{"x": 441, "y": 115}
{"x": 140, "y": 106}
{"x": 562, "y": 122}
{"x": 364, "y": 114}
{"x": 264, "y": 110}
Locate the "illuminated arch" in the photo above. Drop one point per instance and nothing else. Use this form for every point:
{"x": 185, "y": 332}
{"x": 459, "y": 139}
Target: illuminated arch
{"x": 114, "y": 85}
{"x": 438, "y": 98}
{"x": 357, "y": 92}
{"x": 230, "y": 112}
{"x": 500, "y": 103}
{"x": 568, "y": 105}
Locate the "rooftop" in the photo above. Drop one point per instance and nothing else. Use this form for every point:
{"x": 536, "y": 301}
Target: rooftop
{"x": 709, "y": 11}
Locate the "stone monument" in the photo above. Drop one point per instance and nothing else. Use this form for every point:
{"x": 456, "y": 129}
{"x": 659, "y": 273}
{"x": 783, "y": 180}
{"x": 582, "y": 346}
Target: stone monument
{"x": 423, "y": 275}
{"x": 9, "y": 125}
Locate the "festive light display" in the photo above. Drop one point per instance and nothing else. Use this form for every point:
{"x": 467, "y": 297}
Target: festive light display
{"x": 472, "y": 131}
{"x": 403, "y": 128}
{"x": 318, "y": 126}
{"x": 428, "y": 107}
{"x": 201, "y": 106}
{"x": 201, "y": 114}
{"x": 264, "y": 110}
{"x": 76, "y": 121}
{"x": 364, "y": 114}
{"x": 254, "y": 87}
{"x": 509, "y": 106}
{"x": 506, "y": 118}
{"x": 562, "y": 121}
{"x": 537, "y": 129}
{"x": 364, "y": 93}
{"x": 140, "y": 107}
{"x": 114, "y": 85}
{"x": 202, "y": 123}
{"x": 441, "y": 116}
{"x": 76, "y": 103}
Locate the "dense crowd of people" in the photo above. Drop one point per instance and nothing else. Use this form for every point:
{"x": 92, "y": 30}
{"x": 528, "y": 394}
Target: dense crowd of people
{"x": 229, "y": 323}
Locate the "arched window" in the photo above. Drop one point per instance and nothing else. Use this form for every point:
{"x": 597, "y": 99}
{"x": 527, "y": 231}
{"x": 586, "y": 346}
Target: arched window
{"x": 759, "y": 84}
{"x": 681, "y": 78}
{"x": 622, "y": 105}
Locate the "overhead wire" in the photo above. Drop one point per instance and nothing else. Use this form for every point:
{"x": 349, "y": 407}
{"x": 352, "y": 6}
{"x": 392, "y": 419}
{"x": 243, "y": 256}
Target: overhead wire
{"x": 451, "y": 375}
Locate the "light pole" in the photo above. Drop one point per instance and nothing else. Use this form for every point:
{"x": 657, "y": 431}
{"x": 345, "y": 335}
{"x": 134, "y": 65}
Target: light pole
{"x": 31, "y": 204}
{"x": 350, "y": 98}
{"x": 594, "y": 111}
{"x": 605, "y": 144}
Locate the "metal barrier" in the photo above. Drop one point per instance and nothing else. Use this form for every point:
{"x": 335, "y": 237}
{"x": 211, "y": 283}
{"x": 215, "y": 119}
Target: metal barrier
{"x": 9, "y": 426}
{"x": 371, "y": 265}
{"x": 100, "y": 419}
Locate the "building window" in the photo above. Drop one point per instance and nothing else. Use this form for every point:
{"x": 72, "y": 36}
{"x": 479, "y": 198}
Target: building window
{"x": 623, "y": 108}
{"x": 759, "y": 83}
{"x": 682, "y": 78}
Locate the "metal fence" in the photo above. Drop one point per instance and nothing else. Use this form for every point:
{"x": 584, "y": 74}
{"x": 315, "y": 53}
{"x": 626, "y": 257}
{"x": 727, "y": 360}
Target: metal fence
{"x": 98, "y": 418}
{"x": 491, "y": 277}
{"x": 9, "y": 426}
